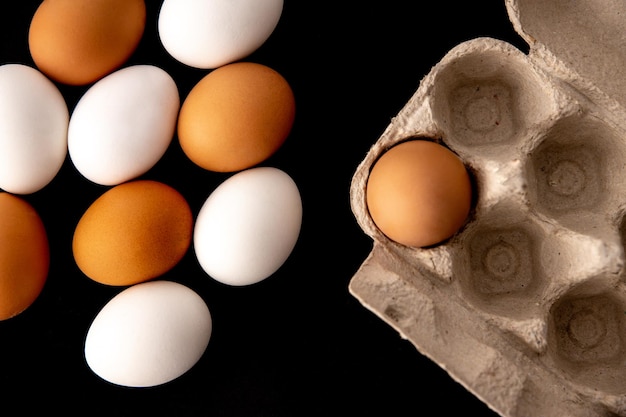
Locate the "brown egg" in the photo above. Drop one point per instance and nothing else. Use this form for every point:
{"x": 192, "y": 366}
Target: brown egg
{"x": 79, "y": 41}
{"x": 236, "y": 117}
{"x": 419, "y": 193}
{"x": 132, "y": 233}
{"x": 24, "y": 255}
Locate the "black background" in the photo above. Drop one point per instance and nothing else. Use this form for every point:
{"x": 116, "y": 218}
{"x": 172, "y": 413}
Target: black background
{"x": 296, "y": 344}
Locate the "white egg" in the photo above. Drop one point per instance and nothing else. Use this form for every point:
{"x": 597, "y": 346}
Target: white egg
{"x": 248, "y": 226}
{"x": 148, "y": 334}
{"x": 123, "y": 124}
{"x": 211, "y": 33}
{"x": 33, "y": 129}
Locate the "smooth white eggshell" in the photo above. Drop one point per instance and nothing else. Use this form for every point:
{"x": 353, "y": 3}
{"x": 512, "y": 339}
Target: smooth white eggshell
{"x": 148, "y": 334}
{"x": 123, "y": 124}
{"x": 33, "y": 129}
{"x": 248, "y": 226}
{"x": 211, "y": 33}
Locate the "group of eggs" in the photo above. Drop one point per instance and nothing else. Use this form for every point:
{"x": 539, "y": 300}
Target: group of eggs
{"x": 232, "y": 120}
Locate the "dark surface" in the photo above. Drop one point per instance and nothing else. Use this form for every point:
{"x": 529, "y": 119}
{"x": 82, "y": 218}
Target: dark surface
{"x": 296, "y": 344}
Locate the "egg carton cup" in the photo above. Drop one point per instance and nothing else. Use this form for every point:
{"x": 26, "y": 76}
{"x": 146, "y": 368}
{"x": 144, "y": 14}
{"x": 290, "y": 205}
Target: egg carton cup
{"x": 526, "y": 305}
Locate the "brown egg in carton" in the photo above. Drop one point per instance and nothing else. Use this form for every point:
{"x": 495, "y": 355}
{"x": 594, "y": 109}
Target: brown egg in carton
{"x": 525, "y": 305}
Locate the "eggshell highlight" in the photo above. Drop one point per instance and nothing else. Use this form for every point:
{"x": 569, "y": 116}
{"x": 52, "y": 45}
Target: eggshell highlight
{"x": 248, "y": 226}
{"x": 33, "y": 129}
{"x": 149, "y": 334}
{"x": 77, "y": 43}
{"x": 24, "y": 255}
{"x": 123, "y": 124}
{"x": 211, "y": 33}
{"x": 419, "y": 193}
{"x": 236, "y": 117}
{"x": 132, "y": 233}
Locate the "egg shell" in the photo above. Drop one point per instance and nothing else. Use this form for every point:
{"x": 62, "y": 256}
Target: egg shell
{"x": 236, "y": 117}
{"x": 248, "y": 226}
{"x": 77, "y": 43}
{"x": 419, "y": 193}
{"x": 211, "y": 33}
{"x": 148, "y": 334}
{"x": 123, "y": 124}
{"x": 33, "y": 129}
{"x": 132, "y": 233}
{"x": 24, "y": 255}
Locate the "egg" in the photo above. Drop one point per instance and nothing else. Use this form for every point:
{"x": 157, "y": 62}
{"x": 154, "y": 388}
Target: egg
{"x": 133, "y": 232}
{"x": 123, "y": 124}
{"x": 248, "y": 226}
{"x": 78, "y": 42}
{"x": 33, "y": 129}
{"x": 24, "y": 255}
{"x": 211, "y": 33}
{"x": 148, "y": 334}
{"x": 419, "y": 193}
{"x": 236, "y": 117}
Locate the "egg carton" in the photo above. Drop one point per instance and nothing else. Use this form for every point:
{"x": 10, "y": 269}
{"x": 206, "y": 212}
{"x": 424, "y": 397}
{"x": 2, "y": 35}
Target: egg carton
{"x": 525, "y": 305}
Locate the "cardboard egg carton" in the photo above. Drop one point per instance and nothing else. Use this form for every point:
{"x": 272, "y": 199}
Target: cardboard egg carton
{"x": 526, "y": 305}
